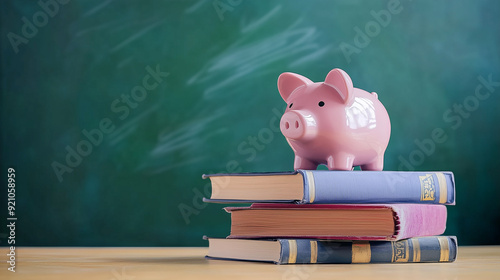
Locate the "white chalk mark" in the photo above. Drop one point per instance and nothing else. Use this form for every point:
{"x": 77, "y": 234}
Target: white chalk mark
{"x": 97, "y": 8}
{"x": 185, "y": 140}
{"x": 256, "y": 24}
{"x": 98, "y": 27}
{"x": 135, "y": 36}
{"x": 182, "y": 137}
{"x": 125, "y": 62}
{"x": 195, "y": 7}
{"x": 125, "y": 131}
{"x": 167, "y": 167}
{"x": 311, "y": 57}
{"x": 129, "y": 127}
{"x": 240, "y": 59}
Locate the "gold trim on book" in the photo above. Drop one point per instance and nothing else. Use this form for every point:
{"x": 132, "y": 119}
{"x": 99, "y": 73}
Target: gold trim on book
{"x": 427, "y": 188}
{"x": 312, "y": 186}
{"x": 314, "y": 251}
{"x": 292, "y": 251}
{"x": 443, "y": 190}
{"x": 400, "y": 251}
{"x": 445, "y": 249}
{"x": 361, "y": 252}
{"x": 416, "y": 250}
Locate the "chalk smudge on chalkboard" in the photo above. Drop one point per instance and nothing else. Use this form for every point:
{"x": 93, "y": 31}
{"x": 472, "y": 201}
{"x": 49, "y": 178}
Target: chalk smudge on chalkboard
{"x": 109, "y": 24}
{"x": 124, "y": 62}
{"x": 245, "y": 56}
{"x": 170, "y": 141}
{"x": 258, "y": 23}
{"x": 130, "y": 126}
{"x": 136, "y": 36}
{"x": 97, "y": 8}
{"x": 195, "y": 7}
{"x": 185, "y": 139}
{"x": 160, "y": 168}
{"x": 312, "y": 56}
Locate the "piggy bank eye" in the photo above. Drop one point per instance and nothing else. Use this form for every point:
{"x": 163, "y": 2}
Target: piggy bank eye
{"x": 321, "y": 104}
{"x": 290, "y": 106}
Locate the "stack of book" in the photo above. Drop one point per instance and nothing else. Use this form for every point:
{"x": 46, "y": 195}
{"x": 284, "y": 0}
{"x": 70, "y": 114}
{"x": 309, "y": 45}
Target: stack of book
{"x": 315, "y": 216}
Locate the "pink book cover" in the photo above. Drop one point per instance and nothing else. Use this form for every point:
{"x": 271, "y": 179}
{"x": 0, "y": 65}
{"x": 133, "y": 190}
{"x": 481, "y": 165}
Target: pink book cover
{"x": 410, "y": 220}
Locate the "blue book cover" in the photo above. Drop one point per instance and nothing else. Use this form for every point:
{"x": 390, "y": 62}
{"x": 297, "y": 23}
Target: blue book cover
{"x": 335, "y": 187}
{"x": 313, "y": 251}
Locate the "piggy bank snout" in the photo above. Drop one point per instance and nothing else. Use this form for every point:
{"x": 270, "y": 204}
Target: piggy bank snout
{"x": 298, "y": 125}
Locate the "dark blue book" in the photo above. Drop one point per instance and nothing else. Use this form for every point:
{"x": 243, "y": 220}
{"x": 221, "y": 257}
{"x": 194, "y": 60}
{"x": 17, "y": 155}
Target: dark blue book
{"x": 334, "y": 187}
{"x": 312, "y": 251}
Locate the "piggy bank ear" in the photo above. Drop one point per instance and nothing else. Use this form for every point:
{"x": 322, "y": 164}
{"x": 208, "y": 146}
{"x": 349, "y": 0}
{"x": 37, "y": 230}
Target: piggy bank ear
{"x": 288, "y": 82}
{"x": 339, "y": 79}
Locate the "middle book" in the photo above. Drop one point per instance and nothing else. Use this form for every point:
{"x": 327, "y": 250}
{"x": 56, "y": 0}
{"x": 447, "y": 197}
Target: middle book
{"x": 389, "y": 222}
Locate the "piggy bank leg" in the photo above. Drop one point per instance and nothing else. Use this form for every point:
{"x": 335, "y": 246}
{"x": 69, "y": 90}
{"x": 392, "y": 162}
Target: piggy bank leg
{"x": 340, "y": 161}
{"x": 302, "y": 163}
{"x": 376, "y": 165}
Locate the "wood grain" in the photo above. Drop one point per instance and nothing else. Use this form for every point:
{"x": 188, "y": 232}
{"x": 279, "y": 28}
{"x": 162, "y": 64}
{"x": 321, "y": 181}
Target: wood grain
{"x": 473, "y": 262}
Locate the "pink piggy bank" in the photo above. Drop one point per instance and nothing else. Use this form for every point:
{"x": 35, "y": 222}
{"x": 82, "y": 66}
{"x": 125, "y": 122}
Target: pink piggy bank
{"x": 333, "y": 123}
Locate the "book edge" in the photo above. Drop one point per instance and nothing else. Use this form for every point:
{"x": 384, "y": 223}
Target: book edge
{"x": 283, "y": 259}
{"x": 309, "y": 186}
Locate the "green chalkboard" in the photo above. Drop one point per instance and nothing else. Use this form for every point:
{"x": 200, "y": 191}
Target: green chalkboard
{"x": 112, "y": 110}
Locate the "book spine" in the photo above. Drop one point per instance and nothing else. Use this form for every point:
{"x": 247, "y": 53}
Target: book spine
{"x": 413, "y": 250}
{"x": 418, "y": 220}
{"x": 378, "y": 187}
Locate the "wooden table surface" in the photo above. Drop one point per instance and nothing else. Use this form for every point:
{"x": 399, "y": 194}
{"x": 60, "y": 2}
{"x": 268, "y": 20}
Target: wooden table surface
{"x": 478, "y": 262}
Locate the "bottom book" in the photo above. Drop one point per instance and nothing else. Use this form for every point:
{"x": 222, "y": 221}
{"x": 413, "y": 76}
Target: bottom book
{"x": 310, "y": 251}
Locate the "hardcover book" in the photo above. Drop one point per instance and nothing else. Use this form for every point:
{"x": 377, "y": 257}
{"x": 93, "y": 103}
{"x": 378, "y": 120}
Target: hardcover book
{"x": 311, "y": 251}
{"x": 388, "y": 222}
{"x": 334, "y": 187}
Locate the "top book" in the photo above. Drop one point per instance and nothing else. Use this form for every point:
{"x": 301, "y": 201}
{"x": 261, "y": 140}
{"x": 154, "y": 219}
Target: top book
{"x": 334, "y": 187}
